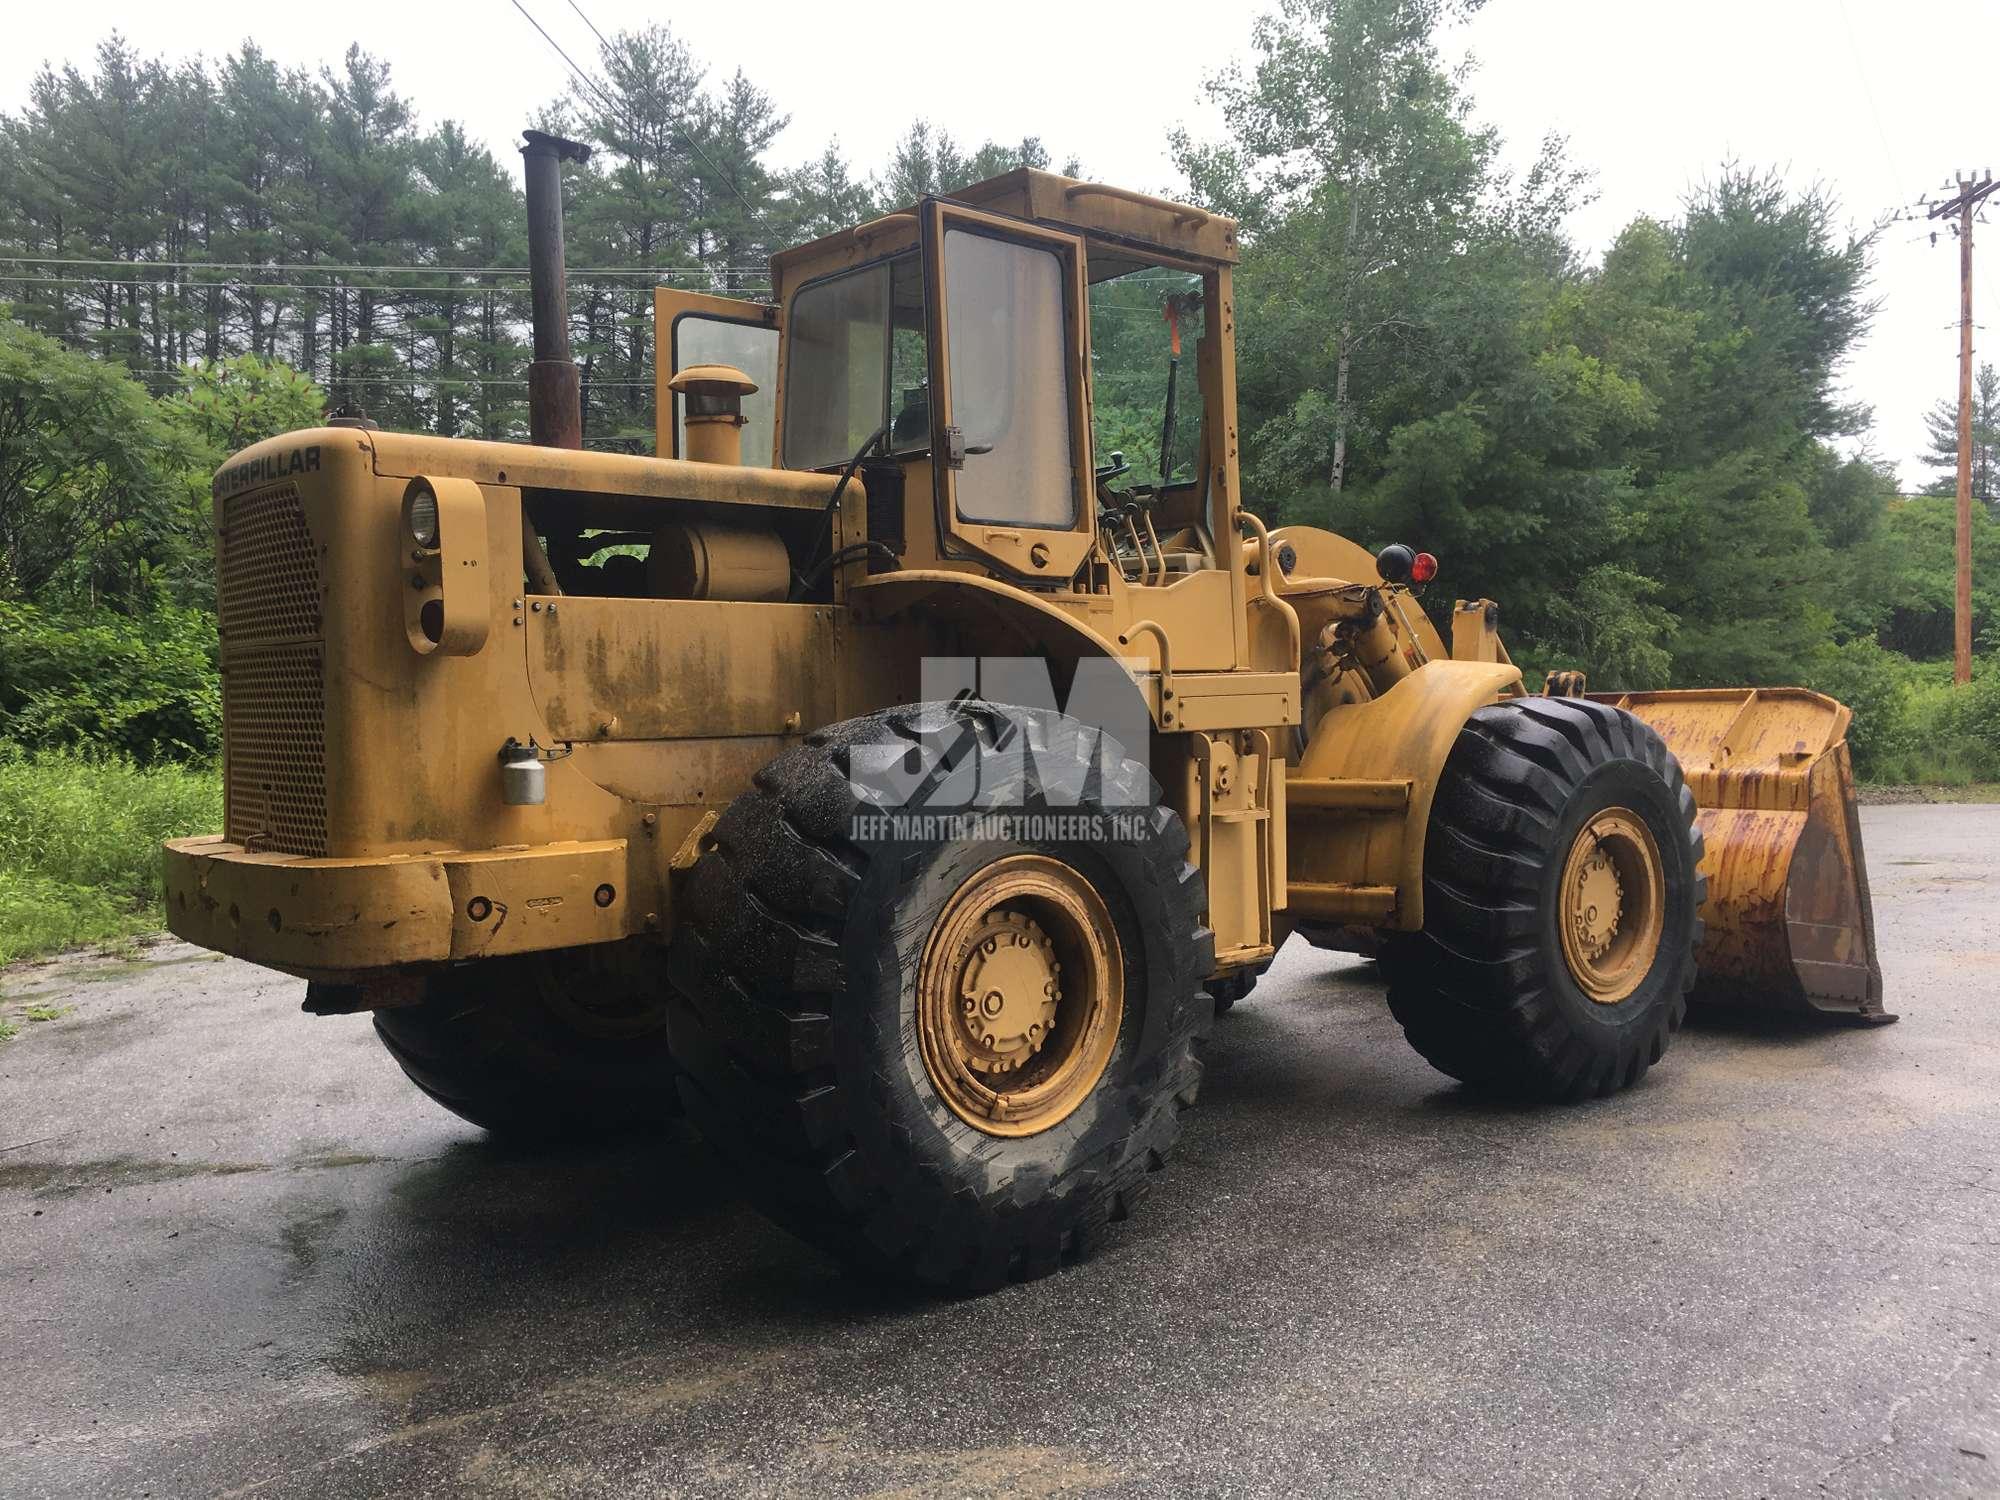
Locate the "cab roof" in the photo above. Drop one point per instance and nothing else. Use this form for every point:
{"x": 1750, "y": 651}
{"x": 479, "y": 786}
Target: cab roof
{"x": 1118, "y": 216}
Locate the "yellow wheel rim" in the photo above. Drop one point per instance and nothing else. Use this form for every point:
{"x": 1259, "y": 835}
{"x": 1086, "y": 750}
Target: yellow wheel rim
{"x": 1020, "y": 993}
{"x": 1612, "y": 905}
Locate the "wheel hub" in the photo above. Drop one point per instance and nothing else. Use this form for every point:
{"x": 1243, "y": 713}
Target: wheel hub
{"x": 1008, "y": 992}
{"x": 1611, "y": 905}
{"x": 1019, "y": 995}
{"x": 1595, "y": 903}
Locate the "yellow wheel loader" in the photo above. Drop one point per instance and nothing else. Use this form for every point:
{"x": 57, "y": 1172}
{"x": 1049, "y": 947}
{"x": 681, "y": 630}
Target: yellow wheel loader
{"x": 899, "y": 779}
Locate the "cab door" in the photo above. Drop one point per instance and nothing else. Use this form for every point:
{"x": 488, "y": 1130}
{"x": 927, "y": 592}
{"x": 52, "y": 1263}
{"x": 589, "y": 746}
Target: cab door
{"x": 694, "y": 328}
{"x": 1010, "y": 431}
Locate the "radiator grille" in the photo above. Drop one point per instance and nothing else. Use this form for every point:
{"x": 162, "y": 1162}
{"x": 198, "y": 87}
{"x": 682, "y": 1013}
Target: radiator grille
{"x": 270, "y": 577}
{"x": 273, "y": 675}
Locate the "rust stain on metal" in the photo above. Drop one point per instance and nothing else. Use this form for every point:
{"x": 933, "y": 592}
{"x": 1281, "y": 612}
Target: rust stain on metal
{"x": 1788, "y": 921}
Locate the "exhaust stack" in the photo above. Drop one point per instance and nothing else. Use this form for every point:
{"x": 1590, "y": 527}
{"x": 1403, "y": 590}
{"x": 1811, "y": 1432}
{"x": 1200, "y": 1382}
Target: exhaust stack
{"x": 555, "y": 399}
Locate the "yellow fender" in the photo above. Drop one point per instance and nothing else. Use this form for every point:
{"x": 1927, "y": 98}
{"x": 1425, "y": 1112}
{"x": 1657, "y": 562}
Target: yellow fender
{"x": 1359, "y": 803}
{"x": 998, "y": 617}
{"x": 1011, "y": 615}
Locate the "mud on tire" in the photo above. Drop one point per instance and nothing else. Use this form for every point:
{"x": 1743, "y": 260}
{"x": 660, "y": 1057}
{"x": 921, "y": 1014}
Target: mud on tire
{"x": 795, "y": 969}
{"x": 1483, "y": 992}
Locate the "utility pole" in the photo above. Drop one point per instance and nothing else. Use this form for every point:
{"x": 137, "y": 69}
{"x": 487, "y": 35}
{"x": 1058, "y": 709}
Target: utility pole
{"x": 1971, "y": 193}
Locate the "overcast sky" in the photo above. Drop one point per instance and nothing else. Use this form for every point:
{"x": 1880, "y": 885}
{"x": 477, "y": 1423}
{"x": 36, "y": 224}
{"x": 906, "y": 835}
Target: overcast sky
{"x": 1653, "y": 94}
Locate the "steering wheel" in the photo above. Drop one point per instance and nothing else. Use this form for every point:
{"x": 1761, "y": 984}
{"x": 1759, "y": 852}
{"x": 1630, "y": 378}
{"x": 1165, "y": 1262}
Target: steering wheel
{"x": 1112, "y": 470}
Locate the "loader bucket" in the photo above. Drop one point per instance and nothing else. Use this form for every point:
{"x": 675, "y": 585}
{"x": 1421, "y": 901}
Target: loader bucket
{"x": 1788, "y": 921}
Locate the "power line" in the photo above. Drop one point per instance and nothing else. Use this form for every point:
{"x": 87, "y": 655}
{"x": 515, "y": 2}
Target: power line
{"x": 309, "y": 267}
{"x": 560, "y": 53}
{"x": 591, "y": 24}
{"x": 1868, "y": 92}
{"x": 271, "y": 286}
{"x": 407, "y": 381}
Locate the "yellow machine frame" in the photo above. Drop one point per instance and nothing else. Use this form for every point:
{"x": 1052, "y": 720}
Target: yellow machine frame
{"x": 368, "y": 686}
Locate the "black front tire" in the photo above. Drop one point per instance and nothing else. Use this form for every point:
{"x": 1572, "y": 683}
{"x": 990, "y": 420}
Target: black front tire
{"x": 1484, "y": 991}
{"x": 794, "y": 1010}
{"x": 556, "y": 1046}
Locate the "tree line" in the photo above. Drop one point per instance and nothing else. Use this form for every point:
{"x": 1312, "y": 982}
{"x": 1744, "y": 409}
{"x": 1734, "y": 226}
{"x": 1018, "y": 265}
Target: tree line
{"x": 157, "y": 213}
{"x": 1648, "y": 460}
{"x": 1646, "y": 457}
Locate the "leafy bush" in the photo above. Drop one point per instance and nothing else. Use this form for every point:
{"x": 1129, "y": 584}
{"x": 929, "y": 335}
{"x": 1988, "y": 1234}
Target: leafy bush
{"x": 1975, "y": 710}
{"x": 230, "y": 404}
{"x": 1870, "y": 681}
{"x": 1960, "y": 728}
{"x": 144, "y": 687}
{"x": 92, "y": 500}
{"x": 80, "y": 844}
{"x": 1951, "y": 735}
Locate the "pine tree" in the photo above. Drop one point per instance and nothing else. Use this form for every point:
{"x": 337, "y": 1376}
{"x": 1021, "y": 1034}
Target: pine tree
{"x": 470, "y": 216}
{"x": 822, "y": 196}
{"x": 1942, "y": 423}
{"x": 366, "y": 183}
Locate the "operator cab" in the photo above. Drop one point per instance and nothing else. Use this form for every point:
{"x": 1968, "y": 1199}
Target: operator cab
{"x": 1017, "y": 376}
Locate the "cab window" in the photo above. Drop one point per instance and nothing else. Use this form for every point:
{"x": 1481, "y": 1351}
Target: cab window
{"x": 1005, "y": 324}
{"x": 856, "y": 364}
{"x": 1146, "y": 401}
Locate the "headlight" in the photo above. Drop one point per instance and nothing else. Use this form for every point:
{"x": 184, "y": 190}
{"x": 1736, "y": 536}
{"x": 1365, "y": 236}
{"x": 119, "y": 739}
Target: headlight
{"x": 423, "y": 517}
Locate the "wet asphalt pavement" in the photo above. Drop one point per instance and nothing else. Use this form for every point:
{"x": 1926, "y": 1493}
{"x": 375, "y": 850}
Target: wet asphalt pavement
{"x": 239, "y": 1255}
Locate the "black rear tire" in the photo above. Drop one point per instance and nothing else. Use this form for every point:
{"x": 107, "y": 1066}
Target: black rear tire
{"x": 561, "y": 1045}
{"x": 1484, "y": 991}
{"x": 795, "y": 970}
{"x": 1236, "y": 985}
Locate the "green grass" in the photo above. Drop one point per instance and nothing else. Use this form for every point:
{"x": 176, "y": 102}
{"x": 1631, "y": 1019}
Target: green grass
{"x": 80, "y": 846}
{"x": 10, "y": 1026}
{"x": 1969, "y": 791}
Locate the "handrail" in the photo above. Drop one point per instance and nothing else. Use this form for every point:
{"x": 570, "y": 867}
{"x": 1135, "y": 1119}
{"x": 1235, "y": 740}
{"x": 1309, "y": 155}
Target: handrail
{"x": 1267, "y": 568}
{"x": 1158, "y": 633}
{"x": 1183, "y": 213}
